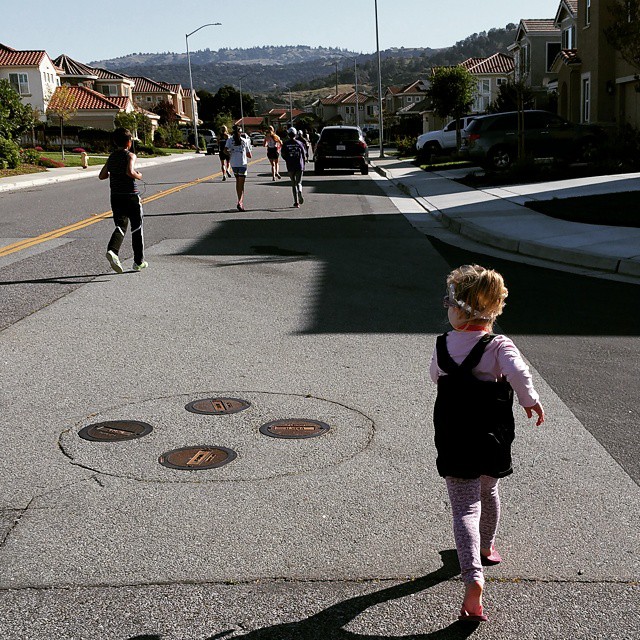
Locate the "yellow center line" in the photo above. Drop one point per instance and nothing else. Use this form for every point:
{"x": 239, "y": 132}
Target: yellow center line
{"x": 97, "y": 217}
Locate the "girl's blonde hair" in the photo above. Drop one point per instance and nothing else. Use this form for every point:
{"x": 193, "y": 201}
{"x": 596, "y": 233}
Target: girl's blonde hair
{"x": 479, "y": 293}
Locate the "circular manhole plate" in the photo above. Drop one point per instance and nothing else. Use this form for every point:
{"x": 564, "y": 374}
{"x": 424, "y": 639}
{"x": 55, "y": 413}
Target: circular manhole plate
{"x": 294, "y": 428}
{"x": 115, "y": 430}
{"x": 217, "y": 406}
{"x": 197, "y": 458}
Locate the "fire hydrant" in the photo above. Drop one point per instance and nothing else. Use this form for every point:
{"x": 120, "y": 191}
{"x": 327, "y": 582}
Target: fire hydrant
{"x": 85, "y": 159}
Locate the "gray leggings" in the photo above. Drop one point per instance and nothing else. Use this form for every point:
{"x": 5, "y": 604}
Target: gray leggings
{"x": 296, "y": 184}
{"x": 475, "y": 507}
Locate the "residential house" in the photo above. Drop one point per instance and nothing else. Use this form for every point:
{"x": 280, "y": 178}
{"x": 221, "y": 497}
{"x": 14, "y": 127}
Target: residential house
{"x": 108, "y": 83}
{"x": 177, "y": 100}
{"x": 536, "y": 46}
{"x": 341, "y": 108}
{"x": 251, "y": 124}
{"x": 187, "y": 106}
{"x": 281, "y": 118}
{"x": 490, "y": 74}
{"x": 594, "y": 83}
{"x": 91, "y": 108}
{"x": 32, "y": 74}
{"x": 396, "y": 98}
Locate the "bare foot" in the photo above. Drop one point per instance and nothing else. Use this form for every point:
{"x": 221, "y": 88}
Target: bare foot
{"x": 472, "y": 602}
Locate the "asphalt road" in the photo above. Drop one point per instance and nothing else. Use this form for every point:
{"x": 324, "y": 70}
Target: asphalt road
{"x": 330, "y": 312}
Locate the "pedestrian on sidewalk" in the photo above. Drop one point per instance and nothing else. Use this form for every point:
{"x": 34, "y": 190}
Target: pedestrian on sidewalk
{"x": 477, "y": 373}
{"x": 223, "y": 152}
{"x": 120, "y": 168}
{"x": 294, "y": 154}
{"x": 240, "y": 151}
{"x": 273, "y": 143}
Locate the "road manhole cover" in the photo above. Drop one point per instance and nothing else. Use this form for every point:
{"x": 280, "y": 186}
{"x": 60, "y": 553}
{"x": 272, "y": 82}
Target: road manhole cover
{"x": 115, "y": 430}
{"x": 197, "y": 458}
{"x": 294, "y": 428}
{"x": 217, "y": 406}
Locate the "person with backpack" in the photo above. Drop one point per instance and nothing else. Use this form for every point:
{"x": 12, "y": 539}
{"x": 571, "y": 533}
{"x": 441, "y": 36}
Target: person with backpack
{"x": 477, "y": 373}
{"x": 294, "y": 154}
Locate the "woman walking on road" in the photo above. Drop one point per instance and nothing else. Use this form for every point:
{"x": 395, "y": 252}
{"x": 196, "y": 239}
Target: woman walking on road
{"x": 477, "y": 373}
{"x": 240, "y": 151}
{"x": 273, "y": 143}
{"x": 223, "y": 152}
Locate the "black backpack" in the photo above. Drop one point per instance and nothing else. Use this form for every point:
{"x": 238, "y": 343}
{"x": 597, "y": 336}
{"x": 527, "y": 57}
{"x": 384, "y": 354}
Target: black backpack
{"x": 473, "y": 419}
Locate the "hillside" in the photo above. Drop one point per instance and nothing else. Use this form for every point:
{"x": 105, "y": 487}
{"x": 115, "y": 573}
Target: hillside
{"x": 267, "y": 69}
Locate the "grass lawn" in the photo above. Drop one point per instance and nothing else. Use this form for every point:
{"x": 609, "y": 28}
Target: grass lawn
{"x": 72, "y": 159}
{"x": 21, "y": 170}
{"x": 614, "y": 209}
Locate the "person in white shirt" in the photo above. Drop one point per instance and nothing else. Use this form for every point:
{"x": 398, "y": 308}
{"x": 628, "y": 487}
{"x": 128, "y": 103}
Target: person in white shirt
{"x": 239, "y": 147}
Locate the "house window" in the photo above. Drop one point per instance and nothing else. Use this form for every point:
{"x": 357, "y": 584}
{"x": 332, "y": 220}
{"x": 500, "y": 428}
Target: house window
{"x": 109, "y": 90}
{"x": 553, "y": 49}
{"x": 483, "y": 95}
{"x": 149, "y": 98}
{"x": 19, "y": 82}
{"x": 587, "y": 13}
{"x": 370, "y": 110}
{"x": 586, "y": 98}
{"x": 569, "y": 38}
{"x": 501, "y": 81}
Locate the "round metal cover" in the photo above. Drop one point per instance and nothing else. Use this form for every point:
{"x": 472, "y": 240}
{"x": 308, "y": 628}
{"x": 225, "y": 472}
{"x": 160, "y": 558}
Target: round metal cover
{"x": 217, "y": 406}
{"x": 294, "y": 428}
{"x": 115, "y": 430}
{"x": 197, "y": 458}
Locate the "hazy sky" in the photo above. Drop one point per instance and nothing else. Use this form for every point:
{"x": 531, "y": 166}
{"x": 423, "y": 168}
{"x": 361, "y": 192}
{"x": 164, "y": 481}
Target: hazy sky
{"x": 88, "y": 30}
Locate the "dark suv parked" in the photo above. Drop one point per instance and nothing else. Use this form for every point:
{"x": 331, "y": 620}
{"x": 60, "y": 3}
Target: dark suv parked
{"x": 492, "y": 141}
{"x": 341, "y": 147}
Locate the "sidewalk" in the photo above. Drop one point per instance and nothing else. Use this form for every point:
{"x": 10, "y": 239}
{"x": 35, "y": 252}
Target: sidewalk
{"x": 498, "y": 218}
{"x": 51, "y": 176}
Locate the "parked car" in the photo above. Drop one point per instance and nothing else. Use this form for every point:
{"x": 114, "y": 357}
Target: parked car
{"x": 257, "y": 139}
{"x": 341, "y": 147}
{"x": 492, "y": 141}
{"x": 441, "y": 142}
{"x": 212, "y": 146}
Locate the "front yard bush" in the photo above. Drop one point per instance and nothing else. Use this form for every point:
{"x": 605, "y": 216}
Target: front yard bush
{"x": 406, "y": 146}
{"x": 29, "y": 156}
{"x": 10, "y": 153}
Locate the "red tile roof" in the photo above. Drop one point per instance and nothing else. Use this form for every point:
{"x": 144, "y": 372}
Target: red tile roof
{"x": 174, "y": 88}
{"x": 539, "y": 26}
{"x": 250, "y": 121}
{"x": 105, "y": 74}
{"x": 11, "y": 58}
{"x": 497, "y": 63}
{"x": 414, "y": 87}
{"x": 573, "y": 5}
{"x": 351, "y": 98}
{"x": 83, "y": 98}
{"x": 122, "y": 101}
{"x": 144, "y": 85}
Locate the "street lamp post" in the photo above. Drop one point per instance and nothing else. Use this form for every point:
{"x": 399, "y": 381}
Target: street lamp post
{"x": 240, "y": 79}
{"x": 380, "y": 118}
{"x": 193, "y": 95}
{"x": 290, "y": 109}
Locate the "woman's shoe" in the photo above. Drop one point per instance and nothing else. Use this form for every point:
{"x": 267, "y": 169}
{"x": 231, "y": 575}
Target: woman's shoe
{"x": 492, "y": 559}
{"x": 240, "y": 207}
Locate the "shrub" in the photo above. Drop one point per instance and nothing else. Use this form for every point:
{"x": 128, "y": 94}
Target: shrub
{"x": 29, "y": 156}
{"x": 406, "y": 146}
{"x": 38, "y": 149}
{"x": 49, "y": 163}
{"x": 149, "y": 150}
{"x": 10, "y": 152}
{"x": 78, "y": 150}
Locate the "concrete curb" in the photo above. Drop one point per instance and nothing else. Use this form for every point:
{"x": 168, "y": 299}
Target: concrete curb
{"x": 472, "y": 228}
{"x": 66, "y": 173}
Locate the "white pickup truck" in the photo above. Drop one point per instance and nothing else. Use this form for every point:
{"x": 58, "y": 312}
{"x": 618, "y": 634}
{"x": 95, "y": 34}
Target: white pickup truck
{"x": 441, "y": 142}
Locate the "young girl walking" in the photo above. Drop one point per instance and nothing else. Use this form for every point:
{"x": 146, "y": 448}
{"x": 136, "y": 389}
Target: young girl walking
{"x": 273, "y": 143}
{"x": 223, "y": 152}
{"x": 477, "y": 373}
{"x": 239, "y": 151}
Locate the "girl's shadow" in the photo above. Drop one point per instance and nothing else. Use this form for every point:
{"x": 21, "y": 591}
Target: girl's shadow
{"x": 328, "y": 624}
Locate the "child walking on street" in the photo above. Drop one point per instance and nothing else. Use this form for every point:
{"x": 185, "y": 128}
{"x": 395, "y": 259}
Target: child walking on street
{"x": 120, "y": 168}
{"x": 477, "y": 373}
{"x": 295, "y": 155}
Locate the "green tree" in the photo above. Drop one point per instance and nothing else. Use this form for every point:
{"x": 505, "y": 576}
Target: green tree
{"x": 623, "y": 33}
{"x": 510, "y": 95}
{"x": 62, "y": 106}
{"x": 166, "y": 111}
{"x": 451, "y": 93}
{"x": 15, "y": 117}
{"x": 227, "y": 99}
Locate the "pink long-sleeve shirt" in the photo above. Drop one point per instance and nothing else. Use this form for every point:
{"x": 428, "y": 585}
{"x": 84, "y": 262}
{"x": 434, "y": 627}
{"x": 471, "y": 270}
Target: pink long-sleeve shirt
{"x": 501, "y": 357}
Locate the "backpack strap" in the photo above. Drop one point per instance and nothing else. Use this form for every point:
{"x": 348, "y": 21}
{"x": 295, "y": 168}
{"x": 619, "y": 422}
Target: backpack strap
{"x": 448, "y": 364}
